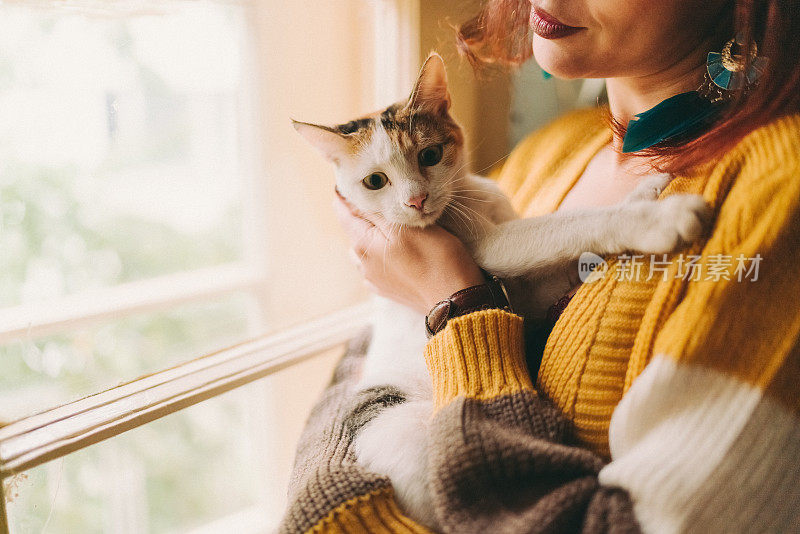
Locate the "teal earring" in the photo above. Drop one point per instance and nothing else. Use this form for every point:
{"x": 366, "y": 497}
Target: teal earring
{"x": 726, "y": 71}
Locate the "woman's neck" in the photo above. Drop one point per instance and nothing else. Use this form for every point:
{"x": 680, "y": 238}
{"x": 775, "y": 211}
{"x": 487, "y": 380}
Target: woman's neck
{"x": 628, "y": 96}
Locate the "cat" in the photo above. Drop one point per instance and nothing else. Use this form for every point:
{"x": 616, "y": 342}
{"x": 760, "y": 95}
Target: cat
{"x": 407, "y": 164}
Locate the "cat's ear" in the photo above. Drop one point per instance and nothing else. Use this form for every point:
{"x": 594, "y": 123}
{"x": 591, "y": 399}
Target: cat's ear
{"x": 333, "y": 145}
{"x": 430, "y": 92}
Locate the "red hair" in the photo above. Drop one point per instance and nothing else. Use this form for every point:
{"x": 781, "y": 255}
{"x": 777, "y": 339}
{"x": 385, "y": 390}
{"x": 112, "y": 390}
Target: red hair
{"x": 500, "y": 33}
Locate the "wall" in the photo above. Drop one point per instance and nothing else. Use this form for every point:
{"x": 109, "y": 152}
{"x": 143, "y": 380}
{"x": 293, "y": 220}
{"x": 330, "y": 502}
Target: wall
{"x": 480, "y": 102}
{"x": 314, "y": 64}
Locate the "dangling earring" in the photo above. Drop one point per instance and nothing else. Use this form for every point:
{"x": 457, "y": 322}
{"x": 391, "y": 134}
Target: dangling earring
{"x": 727, "y": 73}
{"x": 727, "y": 76}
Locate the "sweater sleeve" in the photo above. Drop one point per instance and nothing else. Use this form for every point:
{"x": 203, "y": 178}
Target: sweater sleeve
{"x": 708, "y": 436}
{"x": 499, "y": 455}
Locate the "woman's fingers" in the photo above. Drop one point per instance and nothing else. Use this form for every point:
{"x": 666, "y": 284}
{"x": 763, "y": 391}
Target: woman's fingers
{"x": 353, "y": 224}
{"x": 360, "y": 231}
{"x": 354, "y": 258}
{"x": 372, "y": 288}
{"x": 378, "y": 222}
{"x": 357, "y": 258}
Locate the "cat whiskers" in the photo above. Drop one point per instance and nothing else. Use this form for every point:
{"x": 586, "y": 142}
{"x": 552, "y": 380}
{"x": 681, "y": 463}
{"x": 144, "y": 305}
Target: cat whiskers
{"x": 482, "y": 191}
{"x": 395, "y": 232}
{"x": 457, "y": 210}
{"x": 456, "y": 175}
{"x": 392, "y": 228}
{"x": 366, "y": 215}
{"x": 467, "y": 197}
{"x": 495, "y": 162}
{"x": 457, "y": 172}
{"x": 468, "y": 159}
{"x": 366, "y": 248}
{"x": 476, "y": 212}
{"x": 456, "y": 204}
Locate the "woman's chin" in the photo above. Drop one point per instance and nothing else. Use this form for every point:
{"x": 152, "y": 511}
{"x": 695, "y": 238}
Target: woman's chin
{"x": 559, "y": 60}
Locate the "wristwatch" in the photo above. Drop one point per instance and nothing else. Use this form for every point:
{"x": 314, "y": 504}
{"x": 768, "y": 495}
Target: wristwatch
{"x": 491, "y": 295}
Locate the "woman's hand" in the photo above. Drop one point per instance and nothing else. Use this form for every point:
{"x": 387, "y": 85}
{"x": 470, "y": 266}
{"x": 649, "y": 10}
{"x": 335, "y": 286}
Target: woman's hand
{"x": 417, "y": 267}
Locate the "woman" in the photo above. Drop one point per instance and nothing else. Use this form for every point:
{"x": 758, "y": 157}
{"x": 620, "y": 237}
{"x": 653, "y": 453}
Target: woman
{"x": 698, "y": 365}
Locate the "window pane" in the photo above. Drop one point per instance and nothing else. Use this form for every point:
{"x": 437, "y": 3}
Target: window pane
{"x": 42, "y": 373}
{"x": 171, "y": 475}
{"x": 119, "y": 146}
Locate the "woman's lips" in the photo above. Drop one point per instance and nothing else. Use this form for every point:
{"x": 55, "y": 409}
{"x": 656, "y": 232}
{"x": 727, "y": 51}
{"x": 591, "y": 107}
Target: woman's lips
{"x": 546, "y": 26}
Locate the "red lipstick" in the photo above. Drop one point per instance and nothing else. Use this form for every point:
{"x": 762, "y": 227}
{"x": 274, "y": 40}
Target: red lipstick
{"x": 547, "y": 26}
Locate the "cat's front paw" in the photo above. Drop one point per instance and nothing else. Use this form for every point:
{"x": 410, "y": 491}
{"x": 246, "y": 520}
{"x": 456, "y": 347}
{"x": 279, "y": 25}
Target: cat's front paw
{"x": 673, "y": 222}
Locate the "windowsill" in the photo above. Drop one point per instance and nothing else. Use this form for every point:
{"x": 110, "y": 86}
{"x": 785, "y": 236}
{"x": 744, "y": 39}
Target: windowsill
{"x": 54, "y": 433}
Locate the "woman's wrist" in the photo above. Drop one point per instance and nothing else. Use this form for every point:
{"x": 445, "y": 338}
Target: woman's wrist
{"x": 451, "y": 289}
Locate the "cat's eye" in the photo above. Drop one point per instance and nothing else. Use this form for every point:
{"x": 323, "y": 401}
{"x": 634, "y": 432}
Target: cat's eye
{"x": 430, "y": 156}
{"x": 374, "y": 181}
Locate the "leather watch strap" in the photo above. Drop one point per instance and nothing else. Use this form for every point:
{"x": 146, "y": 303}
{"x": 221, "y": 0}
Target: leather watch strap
{"x": 491, "y": 295}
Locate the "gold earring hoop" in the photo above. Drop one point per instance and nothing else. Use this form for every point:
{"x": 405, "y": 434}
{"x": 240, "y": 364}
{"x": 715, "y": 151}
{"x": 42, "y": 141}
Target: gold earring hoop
{"x": 727, "y": 71}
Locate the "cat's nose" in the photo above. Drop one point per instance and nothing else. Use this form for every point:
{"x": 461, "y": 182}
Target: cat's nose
{"x": 417, "y": 202}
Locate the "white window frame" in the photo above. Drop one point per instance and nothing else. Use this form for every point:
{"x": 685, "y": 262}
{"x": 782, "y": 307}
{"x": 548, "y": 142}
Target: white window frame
{"x": 60, "y": 431}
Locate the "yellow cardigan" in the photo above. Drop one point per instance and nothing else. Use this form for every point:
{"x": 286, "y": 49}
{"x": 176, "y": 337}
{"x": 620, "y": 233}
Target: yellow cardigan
{"x": 687, "y": 384}
{"x": 690, "y": 386}
{"x": 611, "y": 329}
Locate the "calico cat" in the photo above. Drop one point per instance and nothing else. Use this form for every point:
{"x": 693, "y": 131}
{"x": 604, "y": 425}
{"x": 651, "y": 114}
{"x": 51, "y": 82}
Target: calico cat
{"x": 407, "y": 164}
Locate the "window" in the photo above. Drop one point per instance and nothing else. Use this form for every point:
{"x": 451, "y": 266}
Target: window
{"x": 123, "y": 185}
{"x": 156, "y": 206}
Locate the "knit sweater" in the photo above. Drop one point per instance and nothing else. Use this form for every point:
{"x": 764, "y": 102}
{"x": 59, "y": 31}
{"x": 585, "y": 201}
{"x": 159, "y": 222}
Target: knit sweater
{"x": 677, "y": 375}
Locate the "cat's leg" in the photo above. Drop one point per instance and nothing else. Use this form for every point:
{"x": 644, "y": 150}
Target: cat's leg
{"x": 649, "y": 188}
{"x": 395, "y": 444}
{"x": 395, "y": 353}
{"x": 525, "y": 246}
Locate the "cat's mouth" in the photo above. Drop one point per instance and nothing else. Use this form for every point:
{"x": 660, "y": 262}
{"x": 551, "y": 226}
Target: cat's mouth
{"x": 422, "y": 219}
{"x": 430, "y": 218}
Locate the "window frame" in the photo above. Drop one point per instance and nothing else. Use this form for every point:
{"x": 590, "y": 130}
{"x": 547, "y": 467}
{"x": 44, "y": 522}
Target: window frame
{"x": 149, "y": 295}
{"x": 57, "y": 432}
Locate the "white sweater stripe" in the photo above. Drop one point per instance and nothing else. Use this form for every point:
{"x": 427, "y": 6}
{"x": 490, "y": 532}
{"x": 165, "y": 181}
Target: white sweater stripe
{"x": 700, "y": 451}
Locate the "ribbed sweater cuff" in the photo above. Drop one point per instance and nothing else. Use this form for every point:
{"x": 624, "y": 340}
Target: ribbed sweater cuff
{"x": 479, "y": 355}
{"x": 375, "y": 512}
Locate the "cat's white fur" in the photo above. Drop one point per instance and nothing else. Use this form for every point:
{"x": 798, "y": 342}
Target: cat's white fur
{"x": 537, "y": 253}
